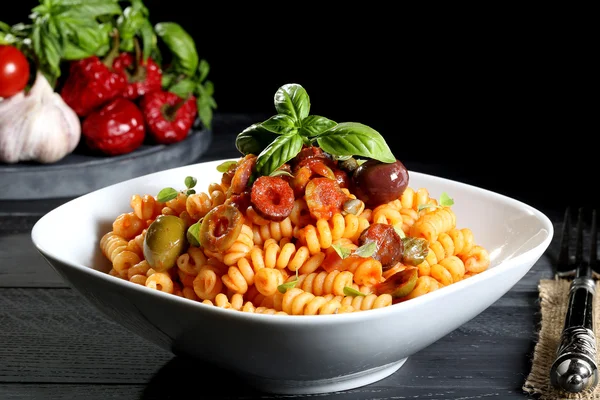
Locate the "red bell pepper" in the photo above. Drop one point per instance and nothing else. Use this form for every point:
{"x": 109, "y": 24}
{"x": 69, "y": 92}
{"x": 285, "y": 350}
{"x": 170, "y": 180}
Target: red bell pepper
{"x": 169, "y": 118}
{"x": 117, "y": 128}
{"x": 142, "y": 78}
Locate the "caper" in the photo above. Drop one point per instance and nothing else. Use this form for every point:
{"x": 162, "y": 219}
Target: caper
{"x": 164, "y": 242}
{"x": 415, "y": 250}
{"x": 348, "y": 165}
{"x": 354, "y": 206}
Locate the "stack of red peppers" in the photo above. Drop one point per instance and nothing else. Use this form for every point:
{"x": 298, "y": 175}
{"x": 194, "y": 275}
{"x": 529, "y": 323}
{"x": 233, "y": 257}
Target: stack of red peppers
{"x": 121, "y": 102}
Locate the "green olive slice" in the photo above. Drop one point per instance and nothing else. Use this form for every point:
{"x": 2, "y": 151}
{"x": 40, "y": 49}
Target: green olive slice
{"x": 165, "y": 241}
{"x": 400, "y": 284}
{"x": 220, "y": 228}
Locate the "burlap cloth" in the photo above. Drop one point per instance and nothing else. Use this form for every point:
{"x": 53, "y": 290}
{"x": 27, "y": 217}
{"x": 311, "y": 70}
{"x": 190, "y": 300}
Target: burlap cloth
{"x": 554, "y": 300}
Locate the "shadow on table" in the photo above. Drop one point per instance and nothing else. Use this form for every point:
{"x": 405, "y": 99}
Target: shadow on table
{"x": 182, "y": 376}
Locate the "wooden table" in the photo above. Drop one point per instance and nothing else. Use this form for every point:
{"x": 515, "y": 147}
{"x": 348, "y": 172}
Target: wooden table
{"x": 56, "y": 346}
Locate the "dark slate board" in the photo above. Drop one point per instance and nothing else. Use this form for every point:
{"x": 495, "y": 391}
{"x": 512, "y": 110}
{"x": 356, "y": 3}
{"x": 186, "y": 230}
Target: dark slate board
{"x": 81, "y": 172}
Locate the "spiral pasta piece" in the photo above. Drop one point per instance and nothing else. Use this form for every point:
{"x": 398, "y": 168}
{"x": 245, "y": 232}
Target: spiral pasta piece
{"x": 430, "y": 225}
{"x": 366, "y": 271}
{"x": 476, "y": 260}
{"x": 448, "y": 270}
{"x": 414, "y": 199}
{"x": 128, "y": 225}
{"x": 160, "y": 281}
{"x": 207, "y": 284}
{"x": 296, "y": 301}
{"x": 111, "y": 244}
{"x": 267, "y": 280}
{"x": 175, "y": 206}
{"x": 272, "y": 230}
{"x": 368, "y": 302}
{"x": 321, "y": 283}
{"x": 320, "y": 236}
{"x": 424, "y": 285}
{"x": 146, "y": 207}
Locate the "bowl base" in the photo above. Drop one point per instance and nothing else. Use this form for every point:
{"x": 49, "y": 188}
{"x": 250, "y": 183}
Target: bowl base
{"x": 340, "y": 383}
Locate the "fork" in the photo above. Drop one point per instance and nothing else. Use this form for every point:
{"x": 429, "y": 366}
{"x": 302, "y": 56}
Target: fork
{"x": 575, "y": 368}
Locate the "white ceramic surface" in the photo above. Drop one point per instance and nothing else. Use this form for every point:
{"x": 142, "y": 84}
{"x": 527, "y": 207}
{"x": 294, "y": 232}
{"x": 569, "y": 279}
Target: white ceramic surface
{"x": 292, "y": 354}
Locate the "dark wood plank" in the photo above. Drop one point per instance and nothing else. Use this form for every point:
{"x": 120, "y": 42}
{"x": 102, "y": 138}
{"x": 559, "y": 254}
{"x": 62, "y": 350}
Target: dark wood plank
{"x": 56, "y": 336}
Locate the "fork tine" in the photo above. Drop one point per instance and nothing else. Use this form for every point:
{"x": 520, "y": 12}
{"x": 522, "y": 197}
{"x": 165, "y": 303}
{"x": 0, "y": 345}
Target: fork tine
{"x": 579, "y": 239}
{"x": 562, "y": 265}
{"x": 594, "y": 242}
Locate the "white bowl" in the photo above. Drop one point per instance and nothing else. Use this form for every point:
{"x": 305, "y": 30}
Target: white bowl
{"x": 292, "y": 354}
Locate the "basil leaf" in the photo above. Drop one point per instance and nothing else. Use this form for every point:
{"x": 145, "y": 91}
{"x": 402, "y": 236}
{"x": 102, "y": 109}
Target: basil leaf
{"x": 342, "y": 251}
{"x": 355, "y": 139}
{"x": 446, "y": 200}
{"x": 181, "y": 44}
{"x": 288, "y": 285}
{"x": 314, "y": 125}
{"x": 254, "y": 139}
{"x": 190, "y": 182}
{"x": 166, "y": 194}
{"x": 193, "y": 234}
{"x": 293, "y": 101}
{"x": 183, "y": 88}
{"x": 280, "y": 151}
{"x": 88, "y": 9}
{"x": 205, "y": 103}
{"x": 225, "y": 166}
{"x": 348, "y": 291}
{"x": 279, "y": 124}
{"x": 48, "y": 51}
{"x": 366, "y": 250}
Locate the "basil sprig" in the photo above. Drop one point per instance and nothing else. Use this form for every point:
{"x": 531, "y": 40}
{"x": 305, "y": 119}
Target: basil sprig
{"x": 281, "y": 137}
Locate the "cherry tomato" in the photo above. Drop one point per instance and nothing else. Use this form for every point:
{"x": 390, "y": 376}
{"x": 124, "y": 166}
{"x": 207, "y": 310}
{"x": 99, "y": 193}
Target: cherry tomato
{"x": 14, "y": 71}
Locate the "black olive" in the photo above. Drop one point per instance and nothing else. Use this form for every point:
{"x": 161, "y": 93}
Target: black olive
{"x": 375, "y": 182}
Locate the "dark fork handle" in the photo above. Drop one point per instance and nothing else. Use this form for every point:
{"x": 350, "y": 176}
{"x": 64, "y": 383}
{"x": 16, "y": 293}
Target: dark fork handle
{"x": 575, "y": 368}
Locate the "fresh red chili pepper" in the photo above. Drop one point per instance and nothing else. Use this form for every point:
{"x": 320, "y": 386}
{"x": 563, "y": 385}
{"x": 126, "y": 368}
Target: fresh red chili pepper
{"x": 117, "y": 128}
{"x": 142, "y": 77}
{"x": 169, "y": 118}
{"x": 92, "y": 83}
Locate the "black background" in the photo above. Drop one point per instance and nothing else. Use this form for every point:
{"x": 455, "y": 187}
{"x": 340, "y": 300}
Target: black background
{"x": 501, "y": 99}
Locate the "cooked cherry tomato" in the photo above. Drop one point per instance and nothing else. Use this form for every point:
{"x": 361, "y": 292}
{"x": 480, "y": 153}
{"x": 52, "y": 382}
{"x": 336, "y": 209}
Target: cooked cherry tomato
{"x": 324, "y": 197}
{"x": 14, "y": 71}
{"x": 389, "y": 244}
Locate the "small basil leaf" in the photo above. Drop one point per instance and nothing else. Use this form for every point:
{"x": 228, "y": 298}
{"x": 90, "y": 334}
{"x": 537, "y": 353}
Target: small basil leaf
{"x": 314, "y": 125}
{"x": 288, "y": 285}
{"x": 399, "y": 231}
{"x": 190, "y": 192}
{"x": 280, "y": 151}
{"x": 281, "y": 172}
{"x": 190, "y": 182}
{"x": 446, "y": 200}
{"x": 367, "y": 249}
{"x": 348, "y": 291}
{"x": 421, "y": 207}
{"x": 279, "y": 124}
{"x": 193, "y": 233}
{"x": 355, "y": 139}
{"x": 224, "y": 167}
{"x": 293, "y": 101}
{"x": 166, "y": 194}
{"x": 342, "y": 251}
{"x": 254, "y": 139}
{"x": 181, "y": 44}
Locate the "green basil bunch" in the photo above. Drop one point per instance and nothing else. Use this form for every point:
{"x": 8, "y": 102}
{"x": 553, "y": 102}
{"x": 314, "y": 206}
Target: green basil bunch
{"x": 281, "y": 137}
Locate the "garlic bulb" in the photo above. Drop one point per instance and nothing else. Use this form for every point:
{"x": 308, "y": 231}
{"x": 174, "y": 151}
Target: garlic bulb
{"x": 37, "y": 126}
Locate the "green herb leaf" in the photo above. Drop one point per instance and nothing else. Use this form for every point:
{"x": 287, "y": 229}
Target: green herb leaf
{"x": 205, "y": 102}
{"x": 314, "y": 125}
{"x": 367, "y": 249}
{"x": 399, "y": 231}
{"x": 254, "y": 139}
{"x": 181, "y": 44}
{"x": 193, "y": 234}
{"x": 288, "y": 285}
{"x": 280, "y": 124}
{"x": 348, "y": 291}
{"x": 225, "y": 166}
{"x": 183, "y": 87}
{"x": 190, "y": 192}
{"x": 445, "y": 200}
{"x": 190, "y": 182}
{"x": 355, "y": 139}
{"x": 424, "y": 206}
{"x": 281, "y": 172}
{"x": 342, "y": 251}
{"x": 293, "y": 101}
{"x": 166, "y": 194}
{"x": 280, "y": 151}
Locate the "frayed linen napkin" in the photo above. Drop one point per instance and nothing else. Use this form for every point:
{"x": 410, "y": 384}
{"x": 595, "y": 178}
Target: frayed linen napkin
{"x": 554, "y": 300}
